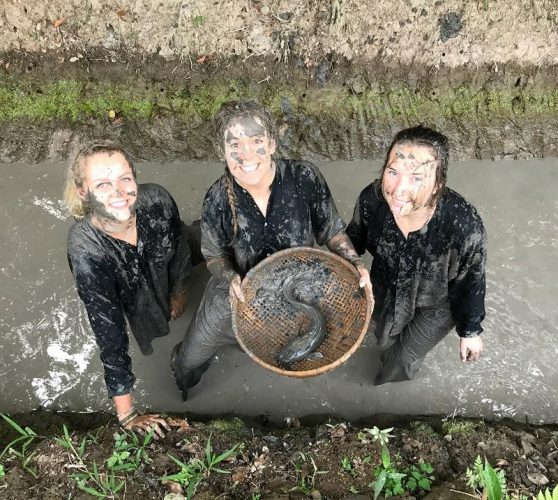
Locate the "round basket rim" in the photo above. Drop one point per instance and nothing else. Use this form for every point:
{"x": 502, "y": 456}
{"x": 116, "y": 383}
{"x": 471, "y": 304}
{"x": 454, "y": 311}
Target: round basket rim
{"x": 322, "y": 369}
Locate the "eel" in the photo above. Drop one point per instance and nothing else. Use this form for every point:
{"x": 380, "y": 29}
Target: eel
{"x": 303, "y": 345}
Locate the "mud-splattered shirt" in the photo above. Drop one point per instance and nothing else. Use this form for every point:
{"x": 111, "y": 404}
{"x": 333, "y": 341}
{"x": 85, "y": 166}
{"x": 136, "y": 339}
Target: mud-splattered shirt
{"x": 300, "y": 211}
{"x": 119, "y": 281}
{"x": 441, "y": 265}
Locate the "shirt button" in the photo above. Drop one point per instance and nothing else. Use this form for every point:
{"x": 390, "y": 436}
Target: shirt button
{"x": 265, "y": 224}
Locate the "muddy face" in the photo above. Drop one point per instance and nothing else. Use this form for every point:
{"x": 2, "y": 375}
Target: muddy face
{"x": 248, "y": 150}
{"x": 109, "y": 187}
{"x": 409, "y": 180}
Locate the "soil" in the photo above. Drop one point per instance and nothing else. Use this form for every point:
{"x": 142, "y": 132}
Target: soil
{"x": 341, "y": 77}
{"x": 315, "y": 458}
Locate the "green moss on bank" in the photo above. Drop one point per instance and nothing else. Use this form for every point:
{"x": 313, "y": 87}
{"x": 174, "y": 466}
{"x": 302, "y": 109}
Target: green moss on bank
{"x": 78, "y": 102}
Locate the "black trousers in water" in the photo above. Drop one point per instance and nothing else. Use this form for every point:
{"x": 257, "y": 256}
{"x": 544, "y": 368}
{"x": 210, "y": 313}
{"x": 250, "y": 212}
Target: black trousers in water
{"x": 210, "y": 328}
{"x": 402, "y": 358}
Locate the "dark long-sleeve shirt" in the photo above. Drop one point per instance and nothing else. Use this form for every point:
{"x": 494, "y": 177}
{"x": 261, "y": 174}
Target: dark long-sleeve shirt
{"x": 300, "y": 211}
{"x": 118, "y": 281}
{"x": 441, "y": 265}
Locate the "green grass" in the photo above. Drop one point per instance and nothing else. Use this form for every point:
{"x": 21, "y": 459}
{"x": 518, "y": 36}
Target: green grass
{"x": 460, "y": 427}
{"x": 79, "y": 102}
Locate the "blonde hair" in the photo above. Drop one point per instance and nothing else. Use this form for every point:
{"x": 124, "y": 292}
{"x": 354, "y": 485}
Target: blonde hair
{"x": 75, "y": 175}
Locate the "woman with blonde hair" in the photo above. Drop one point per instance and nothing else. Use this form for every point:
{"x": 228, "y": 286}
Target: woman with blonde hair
{"x": 130, "y": 256}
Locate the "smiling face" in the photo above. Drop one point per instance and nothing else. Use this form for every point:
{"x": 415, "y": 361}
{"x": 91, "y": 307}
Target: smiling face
{"x": 248, "y": 149}
{"x": 409, "y": 178}
{"x": 109, "y": 186}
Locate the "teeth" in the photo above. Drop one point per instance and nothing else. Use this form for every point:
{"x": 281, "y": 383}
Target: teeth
{"x": 249, "y": 168}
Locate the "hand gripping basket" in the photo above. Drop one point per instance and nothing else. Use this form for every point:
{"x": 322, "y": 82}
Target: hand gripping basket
{"x": 266, "y": 321}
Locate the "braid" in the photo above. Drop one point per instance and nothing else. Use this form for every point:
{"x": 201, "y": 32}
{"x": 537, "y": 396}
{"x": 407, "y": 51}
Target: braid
{"x": 231, "y": 197}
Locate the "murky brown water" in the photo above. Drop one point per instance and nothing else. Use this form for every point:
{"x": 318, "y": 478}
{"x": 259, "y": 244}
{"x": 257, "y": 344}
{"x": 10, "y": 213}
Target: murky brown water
{"x": 48, "y": 356}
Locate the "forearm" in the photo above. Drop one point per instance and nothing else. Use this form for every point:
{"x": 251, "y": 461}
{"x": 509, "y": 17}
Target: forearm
{"x": 341, "y": 245}
{"x": 124, "y": 406}
{"x": 222, "y": 268}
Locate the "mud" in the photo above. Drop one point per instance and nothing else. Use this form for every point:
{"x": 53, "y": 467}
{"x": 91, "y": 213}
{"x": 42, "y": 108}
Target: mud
{"x": 340, "y": 77}
{"x": 158, "y": 114}
{"x": 316, "y": 457}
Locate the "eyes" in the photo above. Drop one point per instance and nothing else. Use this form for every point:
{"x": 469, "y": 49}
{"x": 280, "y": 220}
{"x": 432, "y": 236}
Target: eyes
{"x": 235, "y": 145}
{"x": 414, "y": 178}
{"x": 106, "y": 185}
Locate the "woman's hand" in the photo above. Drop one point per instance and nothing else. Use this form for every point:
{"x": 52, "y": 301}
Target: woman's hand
{"x": 178, "y": 303}
{"x": 470, "y": 349}
{"x": 145, "y": 423}
{"x": 364, "y": 281}
{"x": 235, "y": 291}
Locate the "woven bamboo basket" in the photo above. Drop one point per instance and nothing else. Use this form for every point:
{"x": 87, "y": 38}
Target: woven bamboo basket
{"x": 266, "y": 321}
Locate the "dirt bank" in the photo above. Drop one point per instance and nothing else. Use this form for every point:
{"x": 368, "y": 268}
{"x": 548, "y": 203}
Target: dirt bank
{"x": 340, "y": 76}
{"x": 160, "y": 114}
{"x": 317, "y": 459}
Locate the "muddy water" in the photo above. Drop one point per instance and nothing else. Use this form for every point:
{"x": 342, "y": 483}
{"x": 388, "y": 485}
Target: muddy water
{"x": 48, "y": 357}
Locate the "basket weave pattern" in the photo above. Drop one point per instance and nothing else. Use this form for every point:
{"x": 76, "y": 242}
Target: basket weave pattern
{"x": 265, "y": 322}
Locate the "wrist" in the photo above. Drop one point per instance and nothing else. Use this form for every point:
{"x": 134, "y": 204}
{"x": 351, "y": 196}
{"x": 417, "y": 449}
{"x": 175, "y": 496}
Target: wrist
{"x": 230, "y": 276}
{"x": 126, "y": 417}
{"x": 356, "y": 261}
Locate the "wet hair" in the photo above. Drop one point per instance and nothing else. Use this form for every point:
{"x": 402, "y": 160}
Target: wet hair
{"x": 437, "y": 142}
{"x": 231, "y": 113}
{"x": 75, "y": 175}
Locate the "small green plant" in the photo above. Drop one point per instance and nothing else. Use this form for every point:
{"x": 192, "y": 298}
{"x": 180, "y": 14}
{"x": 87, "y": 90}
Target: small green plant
{"x": 303, "y": 486}
{"x": 89, "y": 479}
{"x": 199, "y": 21}
{"x": 26, "y": 437}
{"x": 347, "y": 465}
{"x": 484, "y": 479}
{"x": 98, "y": 484}
{"x": 192, "y": 473}
{"x": 419, "y": 478}
{"x": 391, "y": 481}
{"x": 2, "y": 472}
{"x": 388, "y": 478}
{"x": 547, "y": 495}
{"x": 128, "y": 455}
{"x": 375, "y": 434}
{"x": 66, "y": 441}
{"x": 306, "y": 483}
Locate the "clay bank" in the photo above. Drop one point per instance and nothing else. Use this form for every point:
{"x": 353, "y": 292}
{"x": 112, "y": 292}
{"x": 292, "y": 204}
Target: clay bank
{"x": 340, "y": 76}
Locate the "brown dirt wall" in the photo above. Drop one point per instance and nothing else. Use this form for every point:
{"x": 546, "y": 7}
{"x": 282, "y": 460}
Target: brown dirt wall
{"x": 340, "y": 76}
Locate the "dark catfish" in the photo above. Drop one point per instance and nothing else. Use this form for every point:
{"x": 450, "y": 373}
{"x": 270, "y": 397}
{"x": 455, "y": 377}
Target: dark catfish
{"x": 301, "y": 346}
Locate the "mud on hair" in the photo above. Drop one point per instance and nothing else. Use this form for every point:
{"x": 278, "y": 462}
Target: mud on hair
{"x": 437, "y": 142}
{"x": 75, "y": 175}
{"x": 228, "y": 115}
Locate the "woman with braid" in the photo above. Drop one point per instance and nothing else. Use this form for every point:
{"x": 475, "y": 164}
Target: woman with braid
{"x": 259, "y": 206}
